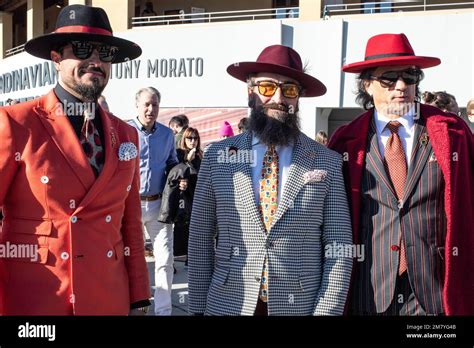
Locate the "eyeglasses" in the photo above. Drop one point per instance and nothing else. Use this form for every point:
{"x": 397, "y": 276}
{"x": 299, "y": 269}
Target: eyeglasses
{"x": 192, "y": 138}
{"x": 83, "y": 50}
{"x": 269, "y": 88}
{"x": 390, "y": 78}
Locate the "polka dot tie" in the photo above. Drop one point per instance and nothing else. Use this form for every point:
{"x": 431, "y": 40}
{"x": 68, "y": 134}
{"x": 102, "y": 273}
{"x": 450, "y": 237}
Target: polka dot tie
{"x": 396, "y": 167}
{"x": 268, "y": 204}
{"x": 91, "y": 144}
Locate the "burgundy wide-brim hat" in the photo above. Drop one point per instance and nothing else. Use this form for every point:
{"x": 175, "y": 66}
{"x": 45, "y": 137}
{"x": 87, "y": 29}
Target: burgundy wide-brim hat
{"x": 280, "y": 60}
{"x": 390, "y": 50}
{"x": 80, "y": 22}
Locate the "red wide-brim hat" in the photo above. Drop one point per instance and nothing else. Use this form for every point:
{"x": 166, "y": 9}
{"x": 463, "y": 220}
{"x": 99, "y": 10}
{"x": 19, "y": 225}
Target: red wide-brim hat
{"x": 280, "y": 60}
{"x": 390, "y": 50}
{"x": 82, "y": 23}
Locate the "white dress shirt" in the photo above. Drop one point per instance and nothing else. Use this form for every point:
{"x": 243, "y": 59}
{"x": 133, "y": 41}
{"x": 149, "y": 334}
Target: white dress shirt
{"x": 406, "y": 132}
{"x": 285, "y": 154}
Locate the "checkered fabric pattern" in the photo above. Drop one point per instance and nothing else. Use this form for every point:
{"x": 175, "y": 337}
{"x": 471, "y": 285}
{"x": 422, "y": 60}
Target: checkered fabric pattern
{"x": 305, "y": 278}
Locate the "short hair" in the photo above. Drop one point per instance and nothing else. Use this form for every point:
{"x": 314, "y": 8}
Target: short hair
{"x": 363, "y": 98}
{"x": 470, "y": 106}
{"x": 442, "y": 100}
{"x": 179, "y": 120}
{"x": 243, "y": 124}
{"x": 321, "y": 137}
{"x": 9, "y": 100}
{"x": 151, "y": 90}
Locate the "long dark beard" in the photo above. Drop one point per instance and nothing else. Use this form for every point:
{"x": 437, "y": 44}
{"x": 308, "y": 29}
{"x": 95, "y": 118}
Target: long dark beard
{"x": 279, "y": 130}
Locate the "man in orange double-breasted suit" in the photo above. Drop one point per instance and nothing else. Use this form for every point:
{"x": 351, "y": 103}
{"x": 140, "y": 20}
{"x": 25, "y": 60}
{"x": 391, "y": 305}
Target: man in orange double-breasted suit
{"x": 71, "y": 241}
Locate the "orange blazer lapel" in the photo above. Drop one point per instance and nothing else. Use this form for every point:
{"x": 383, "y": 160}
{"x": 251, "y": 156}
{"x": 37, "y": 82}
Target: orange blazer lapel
{"x": 51, "y": 114}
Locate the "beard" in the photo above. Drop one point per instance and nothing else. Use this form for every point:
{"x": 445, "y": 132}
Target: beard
{"x": 91, "y": 91}
{"x": 281, "y": 129}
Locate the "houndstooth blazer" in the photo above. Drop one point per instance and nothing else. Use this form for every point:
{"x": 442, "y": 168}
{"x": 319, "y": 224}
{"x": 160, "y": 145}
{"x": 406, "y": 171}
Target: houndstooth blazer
{"x": 305, "y": 276}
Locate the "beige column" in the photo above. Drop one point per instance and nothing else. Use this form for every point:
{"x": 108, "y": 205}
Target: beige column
{"x": 34, "y": 19}
{"x": 77, "y": 2}
{"x": 310, "y": 9}
{"x": 120, "y": 12}
{"x": 6, "y": 32}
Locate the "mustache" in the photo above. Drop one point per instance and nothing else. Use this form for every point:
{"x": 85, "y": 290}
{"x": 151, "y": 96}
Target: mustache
{"x": 275, "y": 106}
{"x": 86, "y": 70}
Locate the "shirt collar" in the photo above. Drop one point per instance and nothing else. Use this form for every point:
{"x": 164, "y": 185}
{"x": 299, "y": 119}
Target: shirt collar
{"x": 142, "y": 127}
{"x": 407, "y": 120}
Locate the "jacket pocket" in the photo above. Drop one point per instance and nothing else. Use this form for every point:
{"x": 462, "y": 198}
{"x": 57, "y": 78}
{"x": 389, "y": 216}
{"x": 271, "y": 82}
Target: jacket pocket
{"x": 222, "y": 265}
{"x": 28, "y": 226}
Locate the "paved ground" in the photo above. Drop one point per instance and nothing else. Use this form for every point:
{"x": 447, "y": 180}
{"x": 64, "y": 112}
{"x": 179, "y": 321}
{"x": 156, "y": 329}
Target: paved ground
{"x": 180, "y": 286}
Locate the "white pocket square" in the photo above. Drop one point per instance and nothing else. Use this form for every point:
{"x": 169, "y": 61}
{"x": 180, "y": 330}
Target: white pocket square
{"x": 315, "y": 176}
{"x": 433, "y": 158}
{"x": 127, "y": 151}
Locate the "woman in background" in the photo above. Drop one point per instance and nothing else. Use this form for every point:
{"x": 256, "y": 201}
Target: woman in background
{"x": 179, "y": 190}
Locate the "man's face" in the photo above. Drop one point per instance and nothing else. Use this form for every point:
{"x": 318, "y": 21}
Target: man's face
{"x": 85, "y": 78}
{"x": 275, "y": 105}
{"x": 175, "y": 128}
{"x": 274, "y": 116}
{"x": 391, "y": 100}
{"x": 148, "y": 107}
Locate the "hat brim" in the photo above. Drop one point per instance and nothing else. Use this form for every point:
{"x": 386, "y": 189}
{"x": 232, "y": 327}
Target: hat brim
{"x": 41, "y": 46}
{"x": 421, "y": 62}
{"x": 312, "y": 86}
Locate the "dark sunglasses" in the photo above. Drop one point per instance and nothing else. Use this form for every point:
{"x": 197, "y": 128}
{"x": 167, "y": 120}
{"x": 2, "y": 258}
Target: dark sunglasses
{"x": 269, "y": 88}
{"x": 192, "y": 138}
{"x": 83, "y": 50}
{"x": 390, "y": 78}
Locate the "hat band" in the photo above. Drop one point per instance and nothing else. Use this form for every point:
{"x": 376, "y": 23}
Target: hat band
{"x": 388, "y": 55}
{"x": 83, "y": 29}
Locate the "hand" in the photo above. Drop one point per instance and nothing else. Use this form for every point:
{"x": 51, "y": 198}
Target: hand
{"x": 183, "y": 184}
{"x": 191, "y": 154}
{"x": 136, "y": 312}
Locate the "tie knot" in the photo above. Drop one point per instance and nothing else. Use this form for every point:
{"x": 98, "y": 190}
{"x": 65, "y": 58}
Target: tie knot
{"x": 393, "y": 126}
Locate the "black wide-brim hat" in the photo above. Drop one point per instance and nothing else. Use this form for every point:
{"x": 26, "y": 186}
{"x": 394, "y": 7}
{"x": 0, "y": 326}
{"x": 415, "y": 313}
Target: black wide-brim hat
{"x": 80, "y": 22}
{"x": 282, "y": 60}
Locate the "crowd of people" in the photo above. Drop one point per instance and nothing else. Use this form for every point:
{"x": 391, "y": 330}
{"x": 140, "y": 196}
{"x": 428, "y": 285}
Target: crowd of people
{"x": 377, "y": 220}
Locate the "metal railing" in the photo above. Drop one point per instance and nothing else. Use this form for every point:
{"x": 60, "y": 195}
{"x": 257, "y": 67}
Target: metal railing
{"x": 208, "y": 17}
{"x": 390, "y": 6}
{"x": 14, "y": 50}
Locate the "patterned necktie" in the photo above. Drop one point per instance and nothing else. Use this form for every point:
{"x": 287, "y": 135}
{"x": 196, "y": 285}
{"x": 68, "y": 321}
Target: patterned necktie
{"x": 91, "y": 144}
{"x": 396, "y": 168}
{"x": 268, "y": 204}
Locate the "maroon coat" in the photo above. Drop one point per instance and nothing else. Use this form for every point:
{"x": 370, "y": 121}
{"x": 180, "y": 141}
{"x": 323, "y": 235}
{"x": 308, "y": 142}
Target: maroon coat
{"x": 452, "y": 143}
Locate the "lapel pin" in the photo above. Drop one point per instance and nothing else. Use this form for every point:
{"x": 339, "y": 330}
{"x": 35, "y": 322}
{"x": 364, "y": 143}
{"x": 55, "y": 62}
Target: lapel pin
{"x": 424, "y": 139}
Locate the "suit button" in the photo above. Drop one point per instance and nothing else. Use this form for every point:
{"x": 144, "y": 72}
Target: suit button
{"x": 129, "y": 187}
{"x": 108, "y": 218}
{"x": 44, "y": 179}
{"x": 400, "y": 204}
{"x": 395, "y": 248}
{"x": 257, "y": 278}
{"x": 64, "y": 255}
{"x": 73, "y": 219}
{"x": 110, "y": 253}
